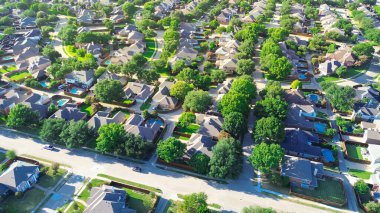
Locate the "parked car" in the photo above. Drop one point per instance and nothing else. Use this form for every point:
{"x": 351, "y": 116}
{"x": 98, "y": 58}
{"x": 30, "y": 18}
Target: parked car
{"x": 136, "y": 169}
{"x": 49, "y": 147}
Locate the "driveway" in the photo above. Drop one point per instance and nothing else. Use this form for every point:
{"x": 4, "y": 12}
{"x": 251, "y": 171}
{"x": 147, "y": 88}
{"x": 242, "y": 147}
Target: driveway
{"x": 232, "y": 197}
{"x": 57, "y": 43}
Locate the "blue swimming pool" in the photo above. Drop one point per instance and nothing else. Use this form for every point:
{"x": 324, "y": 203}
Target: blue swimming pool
{"x": 56, "y": 196}
{"x": 314, "y": 98}
{"x": 62, "y": 102}
{"x": 7, "y": 57}
{"x": 44, "y": 84}
{"x": 302, "y": 76}
{"x": 320, "y": 127}
{"x": 151, "y": 121}
{"x": 328, "y": 155}
{"x": 108, "y": 62}
{"x": 74, "y": 90}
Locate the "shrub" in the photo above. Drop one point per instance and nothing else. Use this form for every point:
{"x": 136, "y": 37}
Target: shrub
{"x": 18, "y": 195}
{"x": 11, "y": 154}
{"x": 361, "y": 187}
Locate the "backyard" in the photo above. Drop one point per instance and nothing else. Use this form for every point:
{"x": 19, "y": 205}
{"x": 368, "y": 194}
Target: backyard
{"x": 190, "y": 129}
{"x": 142, "y": 203}
{"x": 328, "y": 190}
{"x": 7, "y": 69}
{"x": 72, "y": 209}
{"x": 50, "y": 179}
{"x": 360, "y": 174}
{"x": 20, "y": 75}
{"x": 29, "y": 200}
{"x": 150, "y": 47}
{"x": 145, "y": 105}
{"x": 87, "y": 109}
{"x": 354, "y": 151}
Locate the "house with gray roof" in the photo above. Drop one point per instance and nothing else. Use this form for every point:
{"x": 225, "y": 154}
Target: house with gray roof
{"x": 103, "y": 118}
{"x": 19, "y": 177}
{"x": 85, "y": 16}
{"x": 28, "y": 22}
{"x": 107, "y": 199}
{"x": 329, "y": 67}
{"x": 138, "y": 91}
{"x": 199, "y": 144}
{"x": 112, "y": 76}
{"x": 162, "y": 98}
{"x": 229, "y": 65}
{"x": 302, "y": 172}
{"x": 136, "y": 125}
{"x": 82, "y": 78}
{"x": 12, "y": 98}
{"x": 186, "y": 54}
{"x": 27, "y": 53}
{"x": 135, "y": 36}
{"x": 211, "y": 126}
{"x": 372, "y": 136}
{"x": 296, "y": 119}
{"x": 70, "y": 112}
{"x": 94, "y": 49}
{"x": 299, "y": 143}
{"x": 33, "y": 34}
{"x": 21, "y": 44}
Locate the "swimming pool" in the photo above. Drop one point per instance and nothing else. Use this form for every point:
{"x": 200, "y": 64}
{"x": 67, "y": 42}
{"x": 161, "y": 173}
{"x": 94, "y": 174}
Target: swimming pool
{"x": 44, "y": 84}
{"x": 9, "y": 57}
{"x": 74, "y": 91}
{"x": 62, "y": 102}
{"x": 314, "y": 98}
{"x": 151, "y": 121}
{"x": 328, "y": 155}
{"x": 108, "y": 62}
{"x": 302, "y": 76}
{"x": 320, "y": 127}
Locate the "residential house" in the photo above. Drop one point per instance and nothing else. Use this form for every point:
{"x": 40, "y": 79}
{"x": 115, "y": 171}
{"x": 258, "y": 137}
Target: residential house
{"x": 296, "y": 119}
{"x": 329, "y": 67}
{"x": 299, "y": 143}
{"x": 199, "y": 144}
{"x": 162, "y": 98}
{"x": 102, "y": 118}
{"x": 22, "y": 44}
{"x": 19, "y": 177}
{"x": 225, "y": 15}
{"x": 82, "y": 78}
{"x": 126, "y": 30}
{"x": 112, "y": 76}
{"x": 70, "y": 112}
{"x": 136, "y": 125}
{"x": 85, "y": 16}
{"x": 123, "y": 55}
{"x": 368, "y": 95}
{"x": 107, "y": 199}
{"x": 367, "y": 113}
{"x": 344, "y": 56}
{"x": 138, "y": 91}
{"x": 298, "y": 102}
{"x": 248, "y": 19}
{"x": 186, "y": 54}
{"x": 229, "y": 65}
{"x": 371, "y": 137}
{"x": 12, "y": 98}
{"x": 117, "y": 18}
{"x": 135, "y": 36}
{"x": 94, "y": 49}
{"x": 34, "y": 34}
{"x": 302, "y": 172}
{"x": 211, "y": 126}
{"x": 28, "y": 22}
{"x": 28, "y": 52}
{"x": 38, "y": 104}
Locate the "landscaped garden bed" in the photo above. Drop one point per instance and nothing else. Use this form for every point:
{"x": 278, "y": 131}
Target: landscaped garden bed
{"x": 7, "y": 69}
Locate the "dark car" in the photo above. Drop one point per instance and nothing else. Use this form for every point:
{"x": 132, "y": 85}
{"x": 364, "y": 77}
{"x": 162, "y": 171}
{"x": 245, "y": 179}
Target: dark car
{"x": 49, "y": 147}
{"x": 136, "y": 169}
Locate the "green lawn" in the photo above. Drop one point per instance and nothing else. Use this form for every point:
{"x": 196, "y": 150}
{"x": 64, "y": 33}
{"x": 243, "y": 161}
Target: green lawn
{"x": 190, "y": 129}
{"x": 150, "y": 47}
{"x": 354, "y": 151}
{"x": 139, "y": 201}
{"x": 87, "y": 109}
{"x": 328, "y": 78}
{"x": 360, "y": 174}
{"x": 49, "y": 180}
{"x": 351, "y": 71}
{"x": 181, "y": 137}
{"x": 86, "y": 192}
{"x": 19, "y": 76}
{"x": 25, "y": 204}
{"x": 128, "y": 102}
{"x": 329, "y": 190}
{"x": 81, "y": 208}
{"x": 130, "y": 183}
{"x": 376, "y": 8}
{"x": 10, "y": 68}
{"x": 146, "y": 105}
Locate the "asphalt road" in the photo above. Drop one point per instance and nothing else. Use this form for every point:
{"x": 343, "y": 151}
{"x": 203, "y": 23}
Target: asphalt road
{"x": 232, "y": 197}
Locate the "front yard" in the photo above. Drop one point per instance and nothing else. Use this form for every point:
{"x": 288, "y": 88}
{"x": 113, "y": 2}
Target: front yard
{"x": 150, "y": 47}
{"x": 7, "y": 69}
{"x": 49, "y": 179}
{"x": 329, "y": 190}
{"x": 26, "y": 203}
{"x": 351, "y": 72}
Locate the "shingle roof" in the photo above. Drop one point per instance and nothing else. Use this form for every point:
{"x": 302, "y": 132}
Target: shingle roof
{"x": 299, "y": 141}
{"x": 18, "y": 172}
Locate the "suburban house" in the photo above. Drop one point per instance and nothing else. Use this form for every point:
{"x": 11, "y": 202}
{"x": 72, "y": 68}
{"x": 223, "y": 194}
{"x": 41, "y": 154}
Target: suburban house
{"x": 134, "y": 37}
{"x": 28, "y": 52}
{"x": 69, "y": 112}
{"x": 343, "y": 55}
{"x": 126, "y": 30}
{"x": 229, "y": 65}
{"x": 34, "y": 34}
{"x": 103, "y": 118}
{"x": 82, "y": 78}
{"x": 299, "y": 102}
{"x": 199, "y": 144}
{"x": 302, "y": 172}
{"x": 225, "y": 15}
{"x": 295, "y": 119}
{"x": 211, "y": 126}
{"x": 125, "y": 54}
{"x": 12, "y": 98}
{"x": 94, "y": 49}
{"x": 299, "y": 143}
{"x": 186, "y": 54}
{"x": 138, "y": 91}
{"x": 329, "y": 67}
{"x": 20, "y": 45}
{"x": 371, "y": 136}
{"x": 38, "y": 104}
{"x": 27, "y": 22}
{"x": 19, "y": 177}
{"x": 85, "y": 16}
{"x": 135, "y": 125}
{"x": 367, "y": 113}
{"x": 162, "y": 98}
{"x": 112, "y": 76}
{"x": 117, "y": 18}
{"x": 107, "y": 199}
{"x": 368, "y": 95}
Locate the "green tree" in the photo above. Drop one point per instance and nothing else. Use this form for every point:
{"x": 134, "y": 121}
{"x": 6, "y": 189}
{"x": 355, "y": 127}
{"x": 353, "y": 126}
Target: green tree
{"x": 269, "y": 130}
{"x": 202, "y": 82}
{"x": 233, "y": 102}
{"x": 235, "y": 124}
{"x": 341, "y": 98}
{"x": 266, "y": 157}
{"x": 111, "y": 136}
{"x": 245, "y": 86}
{"x": 280, "y": 68}
{"x": 68, "y": 34}
{"x": 245, "y": 67}
{"x": 76, "y": 134}
{"x": 170, "y": 149}
{"x": 218, "y": 76}
{"x": 365, "y": 49}
{"x": 109, "y": 90}
{"x": 10, "y": 154}
{"x": 180, "y": 90}
{"x": 258, "y": 209}
{"x": 186, "y": 118}
{"x": 188, "y": 75}
{"x": 341, "y": 71}
{"x": 135, "y": 146}
{"x": 272, "y": 89}
{"x": 278, "y": 34}
{"x": 226, "y": 161}
{"x": 51, "y": 130}
{"x": 296, "y": 84}
{"x": 9, "y": 30}
{"x": 372, "y": 206}
{"x": 196, "y": 202}
{"x": 272, "y": 107}
{"x": 51, "y": 53}
{"x": 200, "y": 163}
{"x": 178, "y": 66}
{"x": 22, "y": 116}
{"x": 197, "y": 101}
{"x": 361, "y": 187}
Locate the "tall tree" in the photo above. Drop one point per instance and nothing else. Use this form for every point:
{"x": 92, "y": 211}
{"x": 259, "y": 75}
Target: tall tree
{"x": 194, "y": 203}
{"x": 111, "y": 136}
{"x": 51, "y": 129}
{"x": 170, "y": 149}
{"x": 235, "y": 124}
{"x": 22, "y": 116}
{"x": 269, "y": 130}
{"x": 266, "y": 157}
{"x": 180, "y": 90}
{"x": 109, "y": 90}
{"x": 76, "y": 134}
{"x": 271, "y": 107}
{"x": 197, "y": 101}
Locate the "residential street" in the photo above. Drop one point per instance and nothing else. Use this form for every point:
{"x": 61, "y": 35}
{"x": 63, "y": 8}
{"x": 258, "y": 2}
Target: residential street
{"x": 232, "y": 197}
